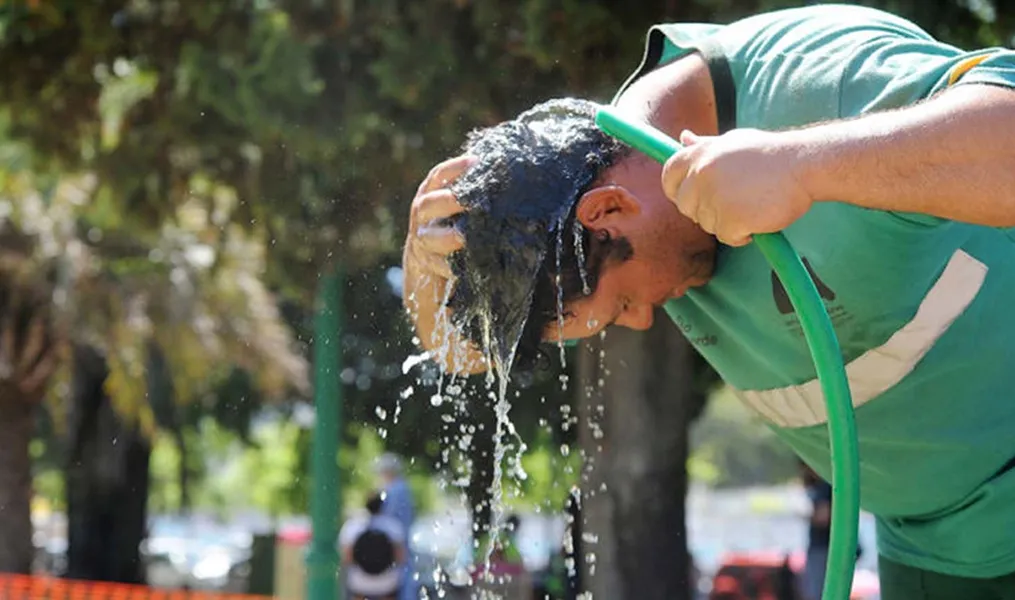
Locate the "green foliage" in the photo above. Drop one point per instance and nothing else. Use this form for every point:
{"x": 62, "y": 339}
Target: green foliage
{"x": 267, "y": 474}
{"x": 271, "y": 473}
{"x": 552, "y": 471}
{"x": 48, "y": 482}
{"x": 731, "y": 447}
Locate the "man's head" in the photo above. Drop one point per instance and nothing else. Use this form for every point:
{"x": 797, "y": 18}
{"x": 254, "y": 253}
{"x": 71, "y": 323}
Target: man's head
{"x": 566, "y": 231}
{"x": 374, "y": 504}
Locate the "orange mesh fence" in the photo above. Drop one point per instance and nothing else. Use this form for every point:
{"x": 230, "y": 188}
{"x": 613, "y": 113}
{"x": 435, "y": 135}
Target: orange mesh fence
{"x": 20, "y": 587}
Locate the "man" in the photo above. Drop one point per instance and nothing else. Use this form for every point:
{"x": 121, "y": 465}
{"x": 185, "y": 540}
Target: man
{"x": 398, "y": 506}
{"x": 888, "y": 159}
{"x": 372, "y": 548}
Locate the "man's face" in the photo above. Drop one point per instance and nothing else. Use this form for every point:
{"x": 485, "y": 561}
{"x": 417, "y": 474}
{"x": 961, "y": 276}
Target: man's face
{"x": 670, "y": 254}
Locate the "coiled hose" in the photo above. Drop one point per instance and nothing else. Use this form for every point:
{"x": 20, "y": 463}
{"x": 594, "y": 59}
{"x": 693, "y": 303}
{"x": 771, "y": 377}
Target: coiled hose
{"x": 825, "y": 352}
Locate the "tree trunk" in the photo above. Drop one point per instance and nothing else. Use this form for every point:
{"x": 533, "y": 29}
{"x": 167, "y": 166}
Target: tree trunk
{"x": 107, "y": 481}
{"x": 634, "y": 435}
{"x": 17, "y": 423}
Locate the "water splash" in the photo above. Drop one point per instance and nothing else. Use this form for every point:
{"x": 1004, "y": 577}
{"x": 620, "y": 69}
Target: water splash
{"x": 579, "y": 250}
{"x": 559, "y": 284}
{"x": 412, "y": 360}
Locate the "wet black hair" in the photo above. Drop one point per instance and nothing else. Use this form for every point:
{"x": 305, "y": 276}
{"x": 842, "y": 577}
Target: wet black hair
{"x": 521, "y": 234}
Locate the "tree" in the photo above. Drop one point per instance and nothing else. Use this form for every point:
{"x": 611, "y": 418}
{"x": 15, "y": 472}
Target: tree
{"x": 28, "y": 350}
{"x": 118, "y": 299}
{"x": 639, "y": 393}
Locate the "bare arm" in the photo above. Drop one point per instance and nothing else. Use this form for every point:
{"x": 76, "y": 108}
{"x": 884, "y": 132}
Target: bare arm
{"x": 951, "y": 157}
{"x": 423, "y": 296}
{"x": 427, "y": 275}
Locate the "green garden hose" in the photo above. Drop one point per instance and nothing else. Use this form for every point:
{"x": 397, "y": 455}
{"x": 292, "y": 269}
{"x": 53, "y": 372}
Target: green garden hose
{"x": 825, "y": 352}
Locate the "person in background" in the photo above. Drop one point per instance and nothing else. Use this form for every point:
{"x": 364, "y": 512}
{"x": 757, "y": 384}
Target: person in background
{"x": 819, "y": 533}
{"x": 372, "y": 549}
{"x": 398, "y": 505}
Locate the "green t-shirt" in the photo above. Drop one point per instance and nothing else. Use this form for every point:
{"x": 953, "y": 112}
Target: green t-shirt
{"x": 922, "y": 306}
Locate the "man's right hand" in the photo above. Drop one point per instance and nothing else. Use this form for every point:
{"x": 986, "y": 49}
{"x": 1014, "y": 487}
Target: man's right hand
{"x": 426, "y": 271}
{"x": 429, "y": 243}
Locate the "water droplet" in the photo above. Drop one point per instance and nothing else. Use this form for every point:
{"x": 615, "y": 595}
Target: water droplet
{"x": 413, "y": 360}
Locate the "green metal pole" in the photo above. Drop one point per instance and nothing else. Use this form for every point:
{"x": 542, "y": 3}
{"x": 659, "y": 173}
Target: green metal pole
{"x": 322, "y": 556}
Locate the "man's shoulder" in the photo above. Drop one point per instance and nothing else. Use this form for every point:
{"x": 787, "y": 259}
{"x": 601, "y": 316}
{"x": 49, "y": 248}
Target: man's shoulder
{"x": 760, "y": 36}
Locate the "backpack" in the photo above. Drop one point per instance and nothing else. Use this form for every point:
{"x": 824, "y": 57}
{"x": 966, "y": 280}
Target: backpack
{"x": 373, "y": 551}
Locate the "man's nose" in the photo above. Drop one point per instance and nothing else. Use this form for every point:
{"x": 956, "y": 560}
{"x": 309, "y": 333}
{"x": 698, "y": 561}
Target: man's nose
{"x": 638, "y": 317}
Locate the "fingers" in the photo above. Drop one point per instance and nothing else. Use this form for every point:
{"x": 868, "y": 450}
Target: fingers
{"x": 687, "y": 199}
{"x": 689, "y": 138}
{"x": 429, "y": 243}
{"x": 739, "y": 241}
{"x": 434, "y": 206}
{"x": 444, "y": 173}
{"x": 674, "y": 173}
{"x": 439, "y": 240}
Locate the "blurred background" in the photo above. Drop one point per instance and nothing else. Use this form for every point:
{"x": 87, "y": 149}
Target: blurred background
{"x": 186, "y": 186}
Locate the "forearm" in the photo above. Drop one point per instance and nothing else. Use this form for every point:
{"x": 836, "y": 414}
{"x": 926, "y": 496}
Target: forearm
{"x": 423, "y": 297}
{"x": 951, "y": 157}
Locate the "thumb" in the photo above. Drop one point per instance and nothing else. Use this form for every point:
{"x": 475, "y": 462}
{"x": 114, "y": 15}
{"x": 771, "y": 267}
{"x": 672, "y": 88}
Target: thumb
{"x": 689, "y": 138}
{"x": 674, "y": 172}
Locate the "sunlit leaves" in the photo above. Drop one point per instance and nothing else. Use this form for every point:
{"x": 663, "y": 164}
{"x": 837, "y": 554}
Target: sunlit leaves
{"x": 122, "y": 89}
{"x": 190, "y": 286}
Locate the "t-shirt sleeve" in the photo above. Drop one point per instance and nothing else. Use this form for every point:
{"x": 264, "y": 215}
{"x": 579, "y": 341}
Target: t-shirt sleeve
{"x": 893, "y": 71}
{"x": 790, "y": 65}
{"x": 989, "y": 67}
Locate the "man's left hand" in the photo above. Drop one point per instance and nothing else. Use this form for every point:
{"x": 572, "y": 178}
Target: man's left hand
{"x": 743, "y": 182}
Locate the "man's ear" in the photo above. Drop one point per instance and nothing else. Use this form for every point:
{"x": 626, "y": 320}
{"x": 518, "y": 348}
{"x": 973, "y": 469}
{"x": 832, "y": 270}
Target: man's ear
{"x": 602, "y": 206}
